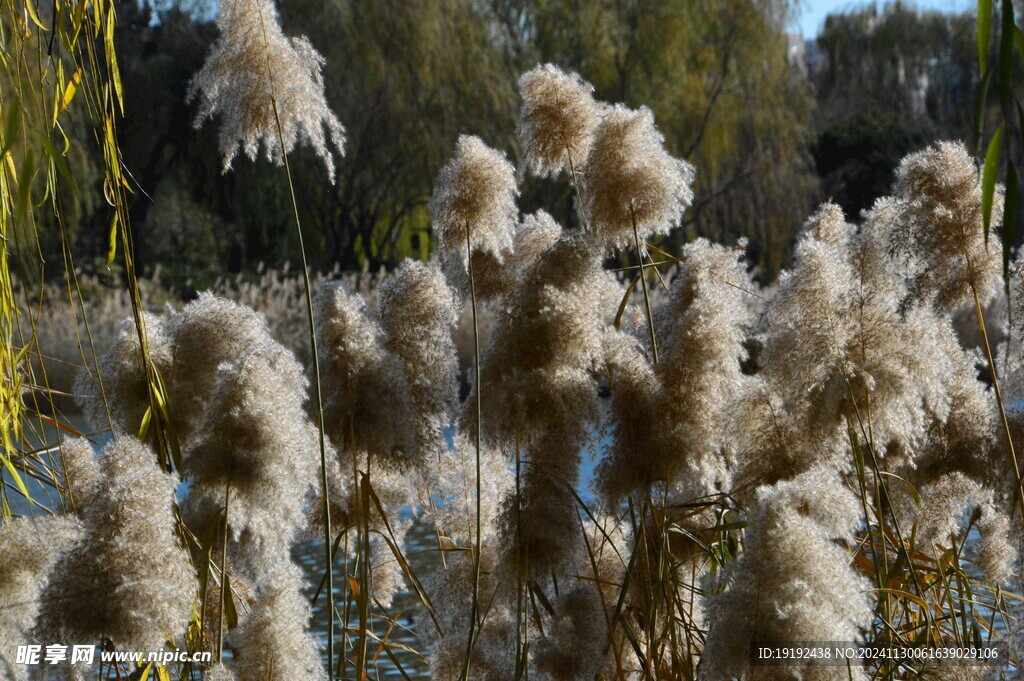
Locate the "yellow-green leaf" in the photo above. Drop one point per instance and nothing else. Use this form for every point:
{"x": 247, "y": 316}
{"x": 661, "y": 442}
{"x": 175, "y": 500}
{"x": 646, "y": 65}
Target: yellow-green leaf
{"x": 112, "y": 248}
{"x": 71, "y": 89}
{"x": 14, "y": 476}
{"x": 988, "y": 178}
{"x": 35, "y": 16}
{"x": 115, "y": 72}
{"x": 984, "y": 31}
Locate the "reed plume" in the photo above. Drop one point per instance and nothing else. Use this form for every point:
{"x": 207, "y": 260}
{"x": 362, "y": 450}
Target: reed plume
{"x": 127, "y": 580}
{"x": 557, "y": 120}
{"x": 255, "y": 76}
{"x": 630, "y": 180}
{"x": 259, "y": 445}
{"x": 29, "y": 547}
{"x": 772, "y": 593}
{"x": 273, "y": 642}
{"x": 475, "y": 192}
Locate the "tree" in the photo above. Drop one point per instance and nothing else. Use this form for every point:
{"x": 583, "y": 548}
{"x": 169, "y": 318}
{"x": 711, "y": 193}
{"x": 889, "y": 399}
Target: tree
{"x": 889, "y": 81}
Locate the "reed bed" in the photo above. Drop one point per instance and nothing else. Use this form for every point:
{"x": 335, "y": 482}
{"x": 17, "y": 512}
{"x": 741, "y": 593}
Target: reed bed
{"x": 827, "y": 461}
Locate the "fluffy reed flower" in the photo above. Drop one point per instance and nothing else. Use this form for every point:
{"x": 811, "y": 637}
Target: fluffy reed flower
{"x": 608, "y": 544}
{"x": 540, "y": 393}
{"x": 541, "y": 359}
{"x": 902, "y": 373}
{"x": 541, "y": 534}
{"x": 493, "y": 274}
{"x": 573, "y": 648}
{"x": 475, "y": 191}
{"x": 387, "y": 577}
{"x": 417, "y": 312}
{"x": 121, "y": 385}
{"x": 806, "y": 332}
{"x": 451, "y": 591}
{"x": 273, "y": 641}
{"x": 841, "y": 339}
{"x": 773, "y": 441}
{"x": 941, "y": 510}
{"x": 961, "y": 431}
{"x": 669, "y": 422}
{"x": 998, "y": 554}
{"x": 901, "y": 353}
{"x": 807, "y": 329}
{"x": 941, "y": 226}
{"x": 127, "y": 579}
{"x": 82, "y": 475}
{"x": 557, "y": 119}
{"x": 207, "y": 332}
{"x": 636, "y": 456}
{"x": 948, "y": 506}
{"x": 250, "y": 66}
{"x": 792, "y": 582}
{"x": 497, "y": 276}
{"x": 28, "y": 549}
{"x": 629, "y": 179}
{"x": 219, "y": 672}
{"x": 259, "y": 445}
{"x": 453, "y": 480}
{"x": 537, "y": 232}
{"x": 1011, "y": 354}
{"x": 956, "y": 672}
{"x": 700, "y": 369}
{"x": 880, "y": 276}
{"x": 367, "y": 403}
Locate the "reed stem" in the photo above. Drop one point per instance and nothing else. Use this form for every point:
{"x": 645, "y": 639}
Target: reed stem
{"x": 999, "y": 399}
{"x": 476, "y": 441}
{"x": 223, "y": 577}
{"x": 328, "y": 548}
{"x": 643, "y": 281}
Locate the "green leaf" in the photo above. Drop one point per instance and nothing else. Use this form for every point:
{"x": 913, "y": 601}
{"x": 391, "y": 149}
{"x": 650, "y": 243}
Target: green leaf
{"x": 14, "y": 476}
{"x": 1006, "y": 56}
{"x": 12, "y": 128}
{"x": 26, "y": 175}
{"x": 988, "y": 178}
{"x": 984, "y": 31}
{"x": 57, "y": 157}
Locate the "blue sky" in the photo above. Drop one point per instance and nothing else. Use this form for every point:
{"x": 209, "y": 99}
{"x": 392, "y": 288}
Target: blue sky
{"x": 813, "y": 12}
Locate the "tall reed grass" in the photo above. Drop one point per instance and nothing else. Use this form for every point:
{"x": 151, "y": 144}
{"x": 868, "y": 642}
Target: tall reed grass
{"x": 826, "y": 461}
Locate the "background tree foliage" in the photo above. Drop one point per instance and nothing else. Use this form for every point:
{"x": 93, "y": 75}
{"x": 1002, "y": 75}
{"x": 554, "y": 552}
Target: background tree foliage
{"x": 770, "y": 132}
{"x": 888, "y": 81}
